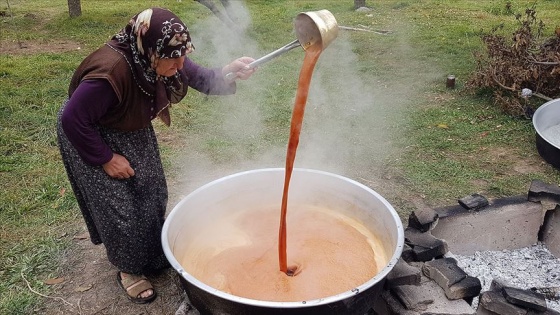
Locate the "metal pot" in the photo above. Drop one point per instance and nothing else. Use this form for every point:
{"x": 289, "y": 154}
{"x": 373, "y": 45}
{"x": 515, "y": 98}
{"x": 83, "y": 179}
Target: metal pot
{"x": 315, "y": 28}
{"x": 264, "y": 186}
{"x": 546, "y": 122}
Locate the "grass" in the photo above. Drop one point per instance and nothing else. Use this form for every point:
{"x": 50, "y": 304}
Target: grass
{"x": 444, "y": 144}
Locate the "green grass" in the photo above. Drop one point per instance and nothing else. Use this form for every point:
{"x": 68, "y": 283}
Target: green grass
{"x": 444, "y": 144}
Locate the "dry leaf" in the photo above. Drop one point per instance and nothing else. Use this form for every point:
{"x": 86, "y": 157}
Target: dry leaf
{"x": 84, "y": 288}
{"x": 62, "y": 191}
{"x": 443, "y": 126}
{"x": 83, "y": 236}
{"x": 54, "y": 281}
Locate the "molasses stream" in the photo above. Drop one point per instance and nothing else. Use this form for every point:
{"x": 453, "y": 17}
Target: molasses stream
{"x": 312, "y": 53}
{"x": 315, "y": 31}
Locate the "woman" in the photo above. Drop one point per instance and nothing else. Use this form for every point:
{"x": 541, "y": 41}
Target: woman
{"x": 109, "y": 147}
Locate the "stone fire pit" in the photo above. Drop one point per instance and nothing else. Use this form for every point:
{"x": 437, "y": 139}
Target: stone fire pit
{"x": 481, "y": 257}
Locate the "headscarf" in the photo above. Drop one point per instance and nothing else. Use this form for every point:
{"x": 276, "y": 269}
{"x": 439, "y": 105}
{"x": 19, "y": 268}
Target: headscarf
{"x": 150, "y": 35}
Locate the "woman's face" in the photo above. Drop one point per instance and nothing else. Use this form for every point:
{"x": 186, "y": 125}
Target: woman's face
{"x": 169, "y": 66}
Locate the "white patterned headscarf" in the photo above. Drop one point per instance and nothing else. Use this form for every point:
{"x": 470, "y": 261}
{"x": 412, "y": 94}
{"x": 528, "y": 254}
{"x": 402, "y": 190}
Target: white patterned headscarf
{"x": 151, "y": 35}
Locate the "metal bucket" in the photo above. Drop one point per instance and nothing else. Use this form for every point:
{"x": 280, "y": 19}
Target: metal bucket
{"x": 546, "y": 122}
{"x": 315, "y": 28}
{"x": 312, "y": 28}
{"x": 263, "y": 186}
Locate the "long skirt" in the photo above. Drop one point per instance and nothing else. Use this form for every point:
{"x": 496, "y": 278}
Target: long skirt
{"x": 126, "y": 215}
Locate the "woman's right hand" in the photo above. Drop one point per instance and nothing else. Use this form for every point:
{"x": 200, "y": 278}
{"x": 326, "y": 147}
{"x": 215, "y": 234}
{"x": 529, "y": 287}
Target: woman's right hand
{"x": 118, "y": 167}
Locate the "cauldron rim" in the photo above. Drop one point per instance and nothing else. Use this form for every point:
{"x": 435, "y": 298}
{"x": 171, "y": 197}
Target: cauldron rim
{"x": 293, "y": 304}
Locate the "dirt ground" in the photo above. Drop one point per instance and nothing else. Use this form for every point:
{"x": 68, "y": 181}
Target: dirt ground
{"x": 89, "y": 285}
{"x": 33, "y": 47}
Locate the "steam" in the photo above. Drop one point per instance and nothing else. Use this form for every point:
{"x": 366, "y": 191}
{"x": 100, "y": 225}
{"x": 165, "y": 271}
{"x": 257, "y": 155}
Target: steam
{"x": 349, "y": 120}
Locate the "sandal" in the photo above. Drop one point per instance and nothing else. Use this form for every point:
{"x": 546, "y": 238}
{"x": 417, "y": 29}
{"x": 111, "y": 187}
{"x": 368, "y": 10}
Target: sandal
{"x": 133, "y": 285}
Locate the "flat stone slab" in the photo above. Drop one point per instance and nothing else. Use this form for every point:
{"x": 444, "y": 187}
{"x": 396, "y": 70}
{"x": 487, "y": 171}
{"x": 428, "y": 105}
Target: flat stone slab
{"x": 550, "y": 233}
{"x": 429, "y": 298}
{"x": 424, "y": 245}
{"x": 525, "y": 298}
{"x": 444, "y": 271}
{"x": 423, "y": 219}
{"x": 507, "y": 223}
{"x": 473, "y": 202}
{"x": 541, "y": 191}
{"x": 495, "y": 302}
{"x": 402, "y": 274}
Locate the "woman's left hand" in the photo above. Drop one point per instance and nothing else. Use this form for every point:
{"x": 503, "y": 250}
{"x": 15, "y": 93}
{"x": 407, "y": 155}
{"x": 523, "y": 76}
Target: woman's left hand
{"x": 239, "y": 68}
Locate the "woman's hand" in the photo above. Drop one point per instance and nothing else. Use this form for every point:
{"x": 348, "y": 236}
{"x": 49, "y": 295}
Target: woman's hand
{"x": 239, "y": 69}
{"x": 118, "y": 167}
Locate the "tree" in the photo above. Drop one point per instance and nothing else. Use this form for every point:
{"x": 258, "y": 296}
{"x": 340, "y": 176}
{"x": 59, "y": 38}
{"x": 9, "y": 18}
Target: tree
{"x": 359, "y": 3}
{"x": 74, "y": 8}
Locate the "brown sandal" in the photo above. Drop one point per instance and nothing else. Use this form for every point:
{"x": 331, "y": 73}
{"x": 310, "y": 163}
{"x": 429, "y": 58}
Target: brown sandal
{"x": 133, "y": 285}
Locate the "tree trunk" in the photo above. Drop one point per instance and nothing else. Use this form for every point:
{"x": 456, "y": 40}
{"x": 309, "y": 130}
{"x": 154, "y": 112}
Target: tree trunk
{"x": 74, "y": 8}
{"x": 226, "y": 18}
{"x": 359, "y": 3}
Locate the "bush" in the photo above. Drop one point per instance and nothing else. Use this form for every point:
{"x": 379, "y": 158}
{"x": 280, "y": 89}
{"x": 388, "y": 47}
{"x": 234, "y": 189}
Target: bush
{"x": 525, "y": 61}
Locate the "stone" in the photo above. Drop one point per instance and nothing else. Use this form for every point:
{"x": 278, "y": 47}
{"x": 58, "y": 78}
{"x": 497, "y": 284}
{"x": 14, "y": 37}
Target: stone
{"x": 541, "y": 191}
{"x": 363, "y": 9}
{"x": 550, "y": 231}
{"x": 498, "y": 284}
{"x": 447, "y": 211}
{"x": 470, "y": 231}
{"x": 525, "y": 298}
{"x": 407, "y": 253}
{"x": 186, "y": 308}
{"x": 464, "y": 289}
{"x": 455, "y": 282}
{"x": 444, "y": 272}
{"x": 413, "y": 297}
{"x": 394, "y": 306}
{"x": 482, "y": 311}
{"x": 403, "y": 274}
{"x": 547, "y": 312}
{"x": 473, "y": 202}
{"x": 421, "y": 295}
{"x": 422, "y": 253}
{"x": 424, "y": 245}
{"x": 495, "y": 302}
{"x": 423, "y": 219}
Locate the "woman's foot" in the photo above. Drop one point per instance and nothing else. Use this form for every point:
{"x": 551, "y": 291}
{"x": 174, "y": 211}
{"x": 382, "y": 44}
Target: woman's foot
{"x": 137, "y": 287}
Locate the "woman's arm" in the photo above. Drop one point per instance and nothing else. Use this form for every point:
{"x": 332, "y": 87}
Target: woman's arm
{"x": 89, "y": 102}
{"x": 212, "y": 81}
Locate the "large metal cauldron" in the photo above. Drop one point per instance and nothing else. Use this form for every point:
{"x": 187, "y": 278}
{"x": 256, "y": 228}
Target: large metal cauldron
{"x": 264, "y": 186}
{"x": 546, "y": 122}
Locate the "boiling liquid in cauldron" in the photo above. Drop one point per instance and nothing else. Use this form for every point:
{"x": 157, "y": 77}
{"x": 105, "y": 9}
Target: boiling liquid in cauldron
{"x": 329, "y": 253}
{"x": 237, "y": 254}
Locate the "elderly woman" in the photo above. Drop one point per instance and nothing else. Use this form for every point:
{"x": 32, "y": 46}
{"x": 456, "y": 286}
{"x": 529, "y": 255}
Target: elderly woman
{"x": 108, "y": 144}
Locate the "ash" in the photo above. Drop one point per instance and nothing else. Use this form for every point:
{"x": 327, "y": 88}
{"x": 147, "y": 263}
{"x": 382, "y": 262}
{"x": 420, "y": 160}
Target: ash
{"x": 525, "y": 268}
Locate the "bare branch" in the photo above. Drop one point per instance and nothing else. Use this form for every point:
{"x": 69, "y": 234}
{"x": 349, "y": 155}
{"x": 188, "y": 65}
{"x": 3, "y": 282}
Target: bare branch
{"x": 500, "y": 84}
{"x": 45, "y": 296}
{"x": 348, "y": 28}
{"x": 546, "y": 63}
